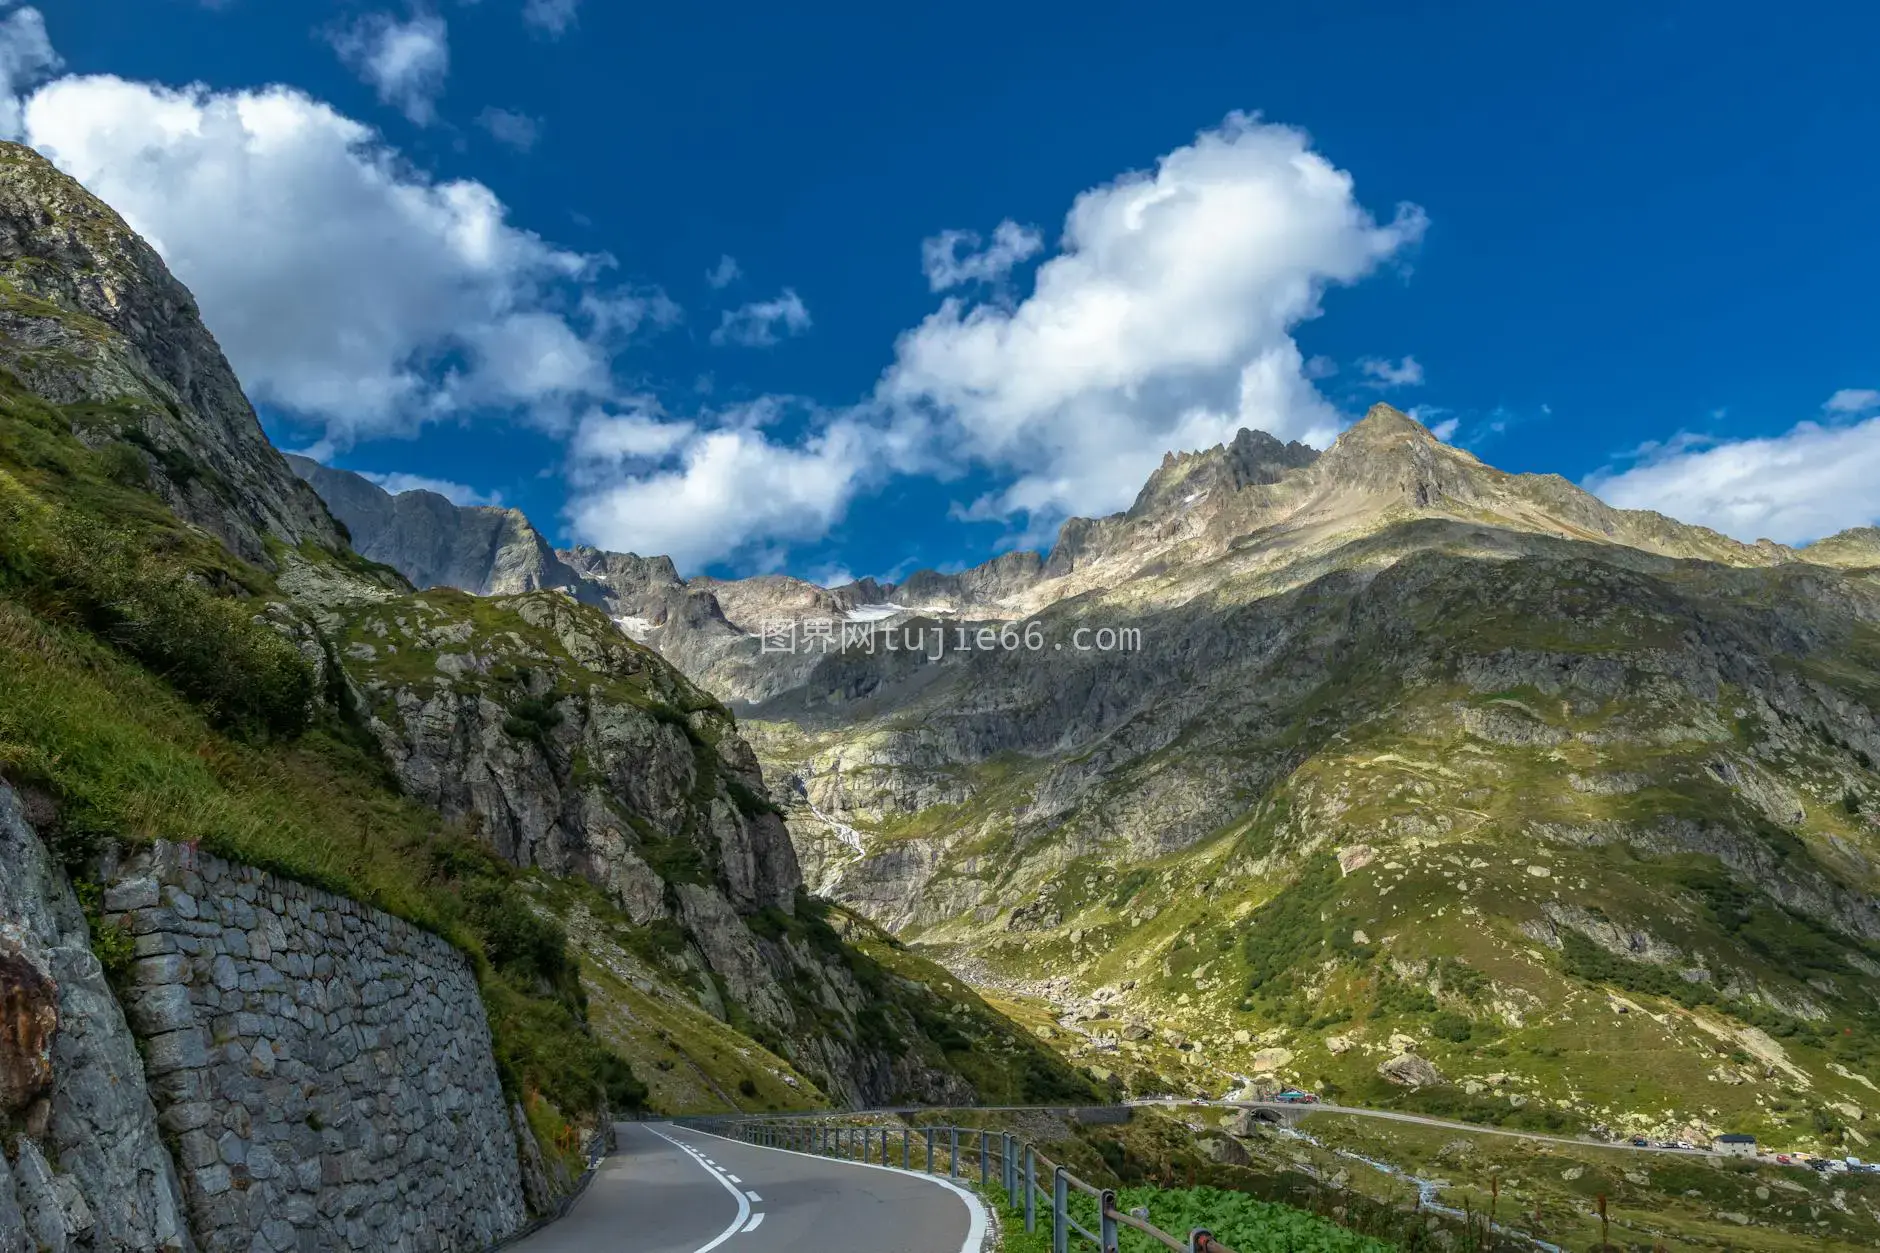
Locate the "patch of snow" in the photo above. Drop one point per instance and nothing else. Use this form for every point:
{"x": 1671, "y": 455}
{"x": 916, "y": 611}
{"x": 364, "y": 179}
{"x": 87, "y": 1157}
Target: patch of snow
{"x": 872, "y": 613}
{"x": 636, "y": 629}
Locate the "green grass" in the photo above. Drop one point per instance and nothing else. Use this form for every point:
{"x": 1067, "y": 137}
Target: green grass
{"x": 141, "y": 698}
{"x": 1242, "y": 1222}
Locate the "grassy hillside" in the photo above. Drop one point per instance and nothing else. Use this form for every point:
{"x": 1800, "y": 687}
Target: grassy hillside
{"x": 141, "y": 700}
{"x": 1592, "y": 833}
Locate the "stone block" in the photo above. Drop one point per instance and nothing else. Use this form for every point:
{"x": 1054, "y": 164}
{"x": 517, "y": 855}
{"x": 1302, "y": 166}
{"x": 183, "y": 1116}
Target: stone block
{"x": 162, "y": 1009}
{"x": 131, "y": 894}
{"x": 178, "y": 1050}
{"x": 213, "y": 1180}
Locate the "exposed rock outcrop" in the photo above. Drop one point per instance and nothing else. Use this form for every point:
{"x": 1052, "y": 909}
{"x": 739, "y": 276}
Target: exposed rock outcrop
{"x": 1410, "y": 1071}
{"x": 434, "y": 543}
{"x": 114, "y": 1186}
{"x": 90, "y": 314}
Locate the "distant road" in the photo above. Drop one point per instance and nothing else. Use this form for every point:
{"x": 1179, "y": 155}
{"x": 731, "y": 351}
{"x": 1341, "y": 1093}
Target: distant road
{"x": 1279, "y": 1107}
{"x": 1326, "y": 1107}
{"x": 669, "y": 1189}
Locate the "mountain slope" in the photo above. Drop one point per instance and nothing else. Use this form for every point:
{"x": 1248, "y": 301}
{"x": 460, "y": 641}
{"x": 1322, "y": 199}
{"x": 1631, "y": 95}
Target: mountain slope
{"x": 1395, "y": 761}
{"x": 1411, "y": 755}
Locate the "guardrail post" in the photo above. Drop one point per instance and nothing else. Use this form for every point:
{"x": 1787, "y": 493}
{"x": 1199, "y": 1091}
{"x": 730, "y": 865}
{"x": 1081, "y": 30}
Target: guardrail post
{"x": 1200, "y": 1240}
{"x": 1006, "y": 1173}
{"x": 930, "y": 1150}
{"x": 1060, "y": 1212}
{"x": 953, "y": 1152}
{"x": 1106, "y": 1221}
{"x": 985, "y": 1176}
{"x": 1031, "y": 1189}
{"x": 907, "y": 1148}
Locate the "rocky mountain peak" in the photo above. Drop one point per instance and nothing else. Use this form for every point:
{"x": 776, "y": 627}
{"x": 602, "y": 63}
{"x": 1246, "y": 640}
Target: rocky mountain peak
{"x": 89, "y": 314}
{"x": 1186, "y": 478}
{"x": 1858, "y": 546}
{"x": 1395, "y": 460}
{"x": 1384, "y": 423}
{"x": 435, "y": 543}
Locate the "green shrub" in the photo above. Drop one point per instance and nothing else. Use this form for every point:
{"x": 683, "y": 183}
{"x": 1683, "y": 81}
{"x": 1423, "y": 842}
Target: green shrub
{"x": 1452, "y": 1027}
{"x": 533, "y": 717}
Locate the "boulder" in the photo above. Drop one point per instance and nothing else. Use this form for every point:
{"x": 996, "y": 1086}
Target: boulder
{"x": 1268, "y": 1060}
{"x": 1225, "y": 1150}
{"x": 1410, "y": 1071}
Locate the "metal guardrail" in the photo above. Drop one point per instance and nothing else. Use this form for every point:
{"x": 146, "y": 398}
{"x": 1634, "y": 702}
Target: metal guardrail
{"x": 1020, "y": 1167}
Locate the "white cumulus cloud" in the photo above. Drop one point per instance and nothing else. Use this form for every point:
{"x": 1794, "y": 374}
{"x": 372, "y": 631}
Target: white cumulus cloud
{"x": 26, "y": 57}
{"x": 1163, "y": 321}
{"x": 405, "y": 62}
{"x": 1853, "y": 400}
{"x": 763, "y": 322}
{"x": 511, "y": 129}
{"x": 727, "y": 491}
{"x": 347, "y": 287}
{"x": 1383, "y": 373}
{"x": 397, "y": 483}
{"x": 945, "y": 267}
{"x": 551, "y": 17}
{"x": 1809, "y": 482}
{"x": 607, "y": 439}
{"x": 723, "y": 274}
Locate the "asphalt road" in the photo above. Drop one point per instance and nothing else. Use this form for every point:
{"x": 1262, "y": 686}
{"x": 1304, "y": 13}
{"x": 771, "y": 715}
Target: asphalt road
{"x": 674, "y": 1190}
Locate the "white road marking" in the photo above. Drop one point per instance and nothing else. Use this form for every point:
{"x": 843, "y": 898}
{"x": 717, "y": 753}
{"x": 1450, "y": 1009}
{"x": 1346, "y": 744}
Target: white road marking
{"x": 734, "y": 1179}
{"x": 754, "y": 1196}
{"x": 744, "y": 1206}
{"x": 755, "y": 1220}
{"x": 977, "y": 1223}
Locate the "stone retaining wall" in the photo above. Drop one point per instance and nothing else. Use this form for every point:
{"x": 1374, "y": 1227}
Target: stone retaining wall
{"x": 82, "y": 1163}
{"x": 324, "y": 1070}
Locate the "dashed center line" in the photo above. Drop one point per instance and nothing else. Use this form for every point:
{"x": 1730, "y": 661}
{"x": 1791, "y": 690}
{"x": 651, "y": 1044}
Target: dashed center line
{"x": 752, "y": 1195}
{"x": 738, "y": 1225}
{"x": 734, "y": 1179}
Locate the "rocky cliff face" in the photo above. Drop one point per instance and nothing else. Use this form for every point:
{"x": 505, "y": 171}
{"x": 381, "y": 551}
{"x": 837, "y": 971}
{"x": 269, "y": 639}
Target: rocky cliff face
{"x": 90, "y": 316}
{"x": 85, "y": 1166}
{"x": 435, "y": 543}
{"x": 573, "y": 750}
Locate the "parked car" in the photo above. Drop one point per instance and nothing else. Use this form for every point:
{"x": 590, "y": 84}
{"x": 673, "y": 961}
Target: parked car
{"x": 1293, "y": 1096}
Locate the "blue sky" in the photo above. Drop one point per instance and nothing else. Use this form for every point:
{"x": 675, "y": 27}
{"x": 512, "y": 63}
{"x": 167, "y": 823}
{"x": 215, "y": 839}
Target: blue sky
{"x": 483, "y": 243}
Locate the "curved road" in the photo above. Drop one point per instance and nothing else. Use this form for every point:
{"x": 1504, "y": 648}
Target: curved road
{"x": 669, "y": 1189}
